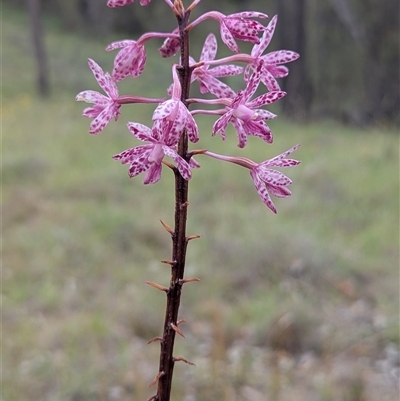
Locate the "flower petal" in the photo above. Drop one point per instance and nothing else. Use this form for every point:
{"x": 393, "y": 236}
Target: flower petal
{"x": 164, "y": 109}
{"x": 240, "y": 131}
{"x": 153, "y": 174}
{"x": 262, "y": 191}
{"x": 248, "y": 14}
{"x": 221, "y": 124}
{"x": 280, "y": 192}
{"x": 228, "y": 38}
{"x": 252, "y": 84}
{"x": 191, "y": 127}
{"x": 217, "y": 88}
{"x": 259, "y": 129}
{"x": 272, "y": 177}
{"x": 244, "y": 29}
{"x": 269, "y": 80}
{"x": 104, "y": 117}
{"x": 266, "y": 98}
{"x": 280, "y": 57}
{"x": 94, "y": 97}
{"x": 119, "y": 44}
{"x": 258, "y": 49}
{"x": 130, "y": 155}
{"x": 170, "y": 46}
{"x": 181, "y": 164}
{"x": 209, "y": 50}
{"x": 140, "y": 131}
{"x": 265, "y": 114}
{"x": 281, "y": 161}
{"x": 225, "y": 71}
{"x": 104, "y": 80}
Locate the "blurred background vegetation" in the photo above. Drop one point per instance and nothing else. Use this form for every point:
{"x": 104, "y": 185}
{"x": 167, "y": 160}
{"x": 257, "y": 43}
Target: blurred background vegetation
{"x": 298, "y": 306}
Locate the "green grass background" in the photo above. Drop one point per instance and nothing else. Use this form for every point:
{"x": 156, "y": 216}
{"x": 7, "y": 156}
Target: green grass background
{"x": 80, "y": 238}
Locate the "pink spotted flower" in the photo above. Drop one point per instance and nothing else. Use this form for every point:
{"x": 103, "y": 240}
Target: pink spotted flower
{"x": 235, "y": 26}
{"x": 207, "y": 77}
{"x": 104, "y": 107}
{"x": 171, "y": 45}
{"x": 245, "y": 114}
{"x": 148, "y": 158}
{"x": 266, "y": 180}
{"x": 174, "y": 114}
{"x": 270, "y": 63}
{"x": 131, "y": 59}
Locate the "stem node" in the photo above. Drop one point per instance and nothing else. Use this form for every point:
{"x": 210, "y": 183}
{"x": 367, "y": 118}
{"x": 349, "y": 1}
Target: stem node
{"x": 184, "y": 205}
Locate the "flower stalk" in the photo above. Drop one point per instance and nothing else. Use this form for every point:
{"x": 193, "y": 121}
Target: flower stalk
{"x": 179, "y": 239}
{"x": 174, "y": 127}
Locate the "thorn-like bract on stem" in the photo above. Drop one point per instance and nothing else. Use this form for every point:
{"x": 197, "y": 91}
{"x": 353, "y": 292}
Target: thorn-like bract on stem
{"x": 157, "y": 286}
{"x": 182, "y": 359}
{"x": 169, "y": 262}
{"x": 191, "y": 237}
{"x": 156, "y": 379}
{"x": 189, "y": 280}
{"x": 155, "y": 339}
{"x": 177, "y": 330}
{"x": 168, "y": 136}
{"x": 167, "y": 227}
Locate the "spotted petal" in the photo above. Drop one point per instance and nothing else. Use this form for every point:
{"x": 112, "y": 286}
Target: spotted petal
{"x": 258, "y": 49}
{"x": 228, "y": 38}
{"x": 266, "y": 98}
{"x": 153, "y": 174}
{"x": 273, "y": 177}
{"x": 209, "y": 50}
{"x": 130, "y": 155}
{"x": 105, "y": 116}
{"x": 90, "y": 96}
{"x": 221, "y": 124}
{"x": 181, "y": 164}
{"x": 170, "y": 46}
{"x": 141, "y": 132}
{"x": 104, "y": 79}
{"x": 262, "y": 190}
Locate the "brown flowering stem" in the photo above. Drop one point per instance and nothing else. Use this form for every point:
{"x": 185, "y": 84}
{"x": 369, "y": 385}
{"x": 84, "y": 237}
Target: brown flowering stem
{"x": 179, "y": 239}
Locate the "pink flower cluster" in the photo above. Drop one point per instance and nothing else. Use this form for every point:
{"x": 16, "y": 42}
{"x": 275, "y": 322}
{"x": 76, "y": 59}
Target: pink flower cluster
{"x": 172, "y": 118}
